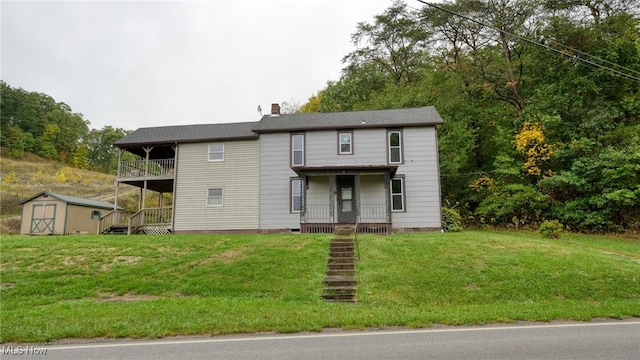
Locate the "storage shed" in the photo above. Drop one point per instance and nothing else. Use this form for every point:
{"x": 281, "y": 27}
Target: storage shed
{"x": 47, "y": 213}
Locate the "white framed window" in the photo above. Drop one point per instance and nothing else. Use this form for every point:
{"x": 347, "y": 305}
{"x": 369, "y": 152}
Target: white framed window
{"x": 296, "y": 195}
{"x": 216, "y": 152}
{"x": 397, "y": 194}
{"x": 297, "y": 150}
{"x": 345, "y": 143}
{"x": 394, "y": 142}
{"x": 96, "y": 215}
{"x": 215, "y": 197}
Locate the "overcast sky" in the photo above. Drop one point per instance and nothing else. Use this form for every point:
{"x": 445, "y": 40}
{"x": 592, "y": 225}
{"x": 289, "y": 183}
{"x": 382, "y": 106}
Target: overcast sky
{"x": 132, "y": 64}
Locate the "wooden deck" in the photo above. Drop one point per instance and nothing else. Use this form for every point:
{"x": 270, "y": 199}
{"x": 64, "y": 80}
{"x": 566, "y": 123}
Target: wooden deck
{"x": 148, "y": 221}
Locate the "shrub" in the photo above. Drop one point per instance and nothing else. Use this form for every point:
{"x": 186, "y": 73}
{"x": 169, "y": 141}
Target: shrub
{"x": 551, "y": 229}
{"x": 451, "y": 220}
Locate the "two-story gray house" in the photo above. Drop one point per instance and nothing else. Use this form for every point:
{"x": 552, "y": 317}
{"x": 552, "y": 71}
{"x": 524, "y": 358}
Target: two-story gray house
{"x": 305, "y": 172}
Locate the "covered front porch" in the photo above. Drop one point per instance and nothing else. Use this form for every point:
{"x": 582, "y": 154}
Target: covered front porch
{"x": 353, "y": 195}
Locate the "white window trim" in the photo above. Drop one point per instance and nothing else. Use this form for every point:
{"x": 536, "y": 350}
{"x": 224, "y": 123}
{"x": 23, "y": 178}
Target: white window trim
{"x": 216, "y": 152}
{"x": 393, "y": 147}
{"x": 350, "y": 143}
{"x": 221, "y": 197}
{"x": 293, "y": 150}
{"x": 292, "y": 194}
{"x": 402, "y": 194}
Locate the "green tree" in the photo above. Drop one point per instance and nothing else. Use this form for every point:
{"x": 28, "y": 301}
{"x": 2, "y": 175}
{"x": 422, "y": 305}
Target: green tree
{"x": 395, "y": 43}
{"x": 101, "y": 154}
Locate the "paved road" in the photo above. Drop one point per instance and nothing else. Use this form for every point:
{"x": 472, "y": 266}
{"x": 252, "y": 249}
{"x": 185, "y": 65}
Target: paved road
{"x": 608, "y": 340}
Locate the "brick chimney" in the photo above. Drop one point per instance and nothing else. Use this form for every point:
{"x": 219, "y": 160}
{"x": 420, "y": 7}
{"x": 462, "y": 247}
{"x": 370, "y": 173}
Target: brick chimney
{"x": 275, "y": 109}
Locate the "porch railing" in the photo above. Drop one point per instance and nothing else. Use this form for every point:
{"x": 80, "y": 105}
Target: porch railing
{"x": 317, "y": 212}
{"x": 368, "y": 212}
{"x": 139, "y": 168}
{"x": 373, "y": 211}
{"x": 114, "y": 218}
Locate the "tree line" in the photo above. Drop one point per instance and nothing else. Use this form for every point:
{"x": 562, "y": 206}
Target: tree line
{"x": 540, "y": 101}
{"x": 34, "y": 122}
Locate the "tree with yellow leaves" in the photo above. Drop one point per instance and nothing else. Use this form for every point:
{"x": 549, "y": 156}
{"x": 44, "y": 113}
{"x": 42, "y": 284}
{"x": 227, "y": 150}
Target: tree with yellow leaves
{"x": 532, "y": 142}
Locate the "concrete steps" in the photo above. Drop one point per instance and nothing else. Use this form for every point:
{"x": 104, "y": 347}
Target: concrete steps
{"x": 340, "y": 284}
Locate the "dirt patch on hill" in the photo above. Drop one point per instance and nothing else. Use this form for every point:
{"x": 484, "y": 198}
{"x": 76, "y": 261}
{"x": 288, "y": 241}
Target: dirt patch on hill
{"x": 128, "y": 297}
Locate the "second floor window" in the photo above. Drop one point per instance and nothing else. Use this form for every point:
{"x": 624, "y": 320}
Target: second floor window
{"x": 297, "y": 150}
{"x": 345, "y": 143}
{"x": 216, "y": 152}
{"x": 394, "y": 141}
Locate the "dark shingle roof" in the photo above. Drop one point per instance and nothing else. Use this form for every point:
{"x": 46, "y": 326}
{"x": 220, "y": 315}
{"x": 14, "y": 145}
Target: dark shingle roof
{"x": 73, "y": 200}
{"x": 350, "y": 119}
{"x": 188, "y": 133}
{"x": 285, "y": 122}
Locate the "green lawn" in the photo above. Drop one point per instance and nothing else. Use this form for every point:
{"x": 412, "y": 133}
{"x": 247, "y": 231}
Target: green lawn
{"x": 154, "y": 286}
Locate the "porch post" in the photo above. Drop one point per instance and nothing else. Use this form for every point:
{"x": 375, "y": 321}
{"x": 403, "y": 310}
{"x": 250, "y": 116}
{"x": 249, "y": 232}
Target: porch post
{"x": 303, "y": 199}
{"x": 115, "y": 201}
{"x": 387, "y": 197}
{"x": 332, "y": 190}
{"x": 356, "y": 190}
{"x": 146, "y": 173}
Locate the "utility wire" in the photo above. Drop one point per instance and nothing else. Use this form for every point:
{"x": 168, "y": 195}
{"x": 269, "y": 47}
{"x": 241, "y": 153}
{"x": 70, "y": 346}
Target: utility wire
{"x": 588, "y": 62}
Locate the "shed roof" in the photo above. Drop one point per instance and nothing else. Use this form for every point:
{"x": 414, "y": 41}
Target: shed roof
{"x": 73, "y": 200}
{"x": 188, "y": 133}
{"x": 350, "y": 120}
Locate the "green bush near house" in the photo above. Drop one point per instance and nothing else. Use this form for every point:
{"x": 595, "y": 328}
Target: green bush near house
{"x": 451, "y": 220}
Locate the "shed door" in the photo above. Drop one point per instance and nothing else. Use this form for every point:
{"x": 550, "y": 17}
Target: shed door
{"x": 43, "y": 218}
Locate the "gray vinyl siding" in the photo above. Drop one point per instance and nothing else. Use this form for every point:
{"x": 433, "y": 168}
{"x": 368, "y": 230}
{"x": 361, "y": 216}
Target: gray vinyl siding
{"x": 238, "y": 175}
{"x": 275, "y": 175}
{"x": 368, "y": 148}
{"x": 420, "y": 170}
{"x": 421, "y": 180}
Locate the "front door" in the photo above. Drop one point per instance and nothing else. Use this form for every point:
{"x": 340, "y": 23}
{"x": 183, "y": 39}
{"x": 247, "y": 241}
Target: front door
{"x": 346, "y": 200}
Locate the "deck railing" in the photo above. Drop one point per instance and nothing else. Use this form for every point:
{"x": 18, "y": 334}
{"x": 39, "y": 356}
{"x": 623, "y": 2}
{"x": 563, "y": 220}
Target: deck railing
{"x": 119, "y": 218}
{"x": 140, "y": 168}
{"x": 151, "y": 217}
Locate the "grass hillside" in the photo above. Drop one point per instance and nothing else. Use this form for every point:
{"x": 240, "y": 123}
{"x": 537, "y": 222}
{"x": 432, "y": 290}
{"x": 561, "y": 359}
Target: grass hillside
{"x": 29, "y": 175}
{"x": 153, "y": 286}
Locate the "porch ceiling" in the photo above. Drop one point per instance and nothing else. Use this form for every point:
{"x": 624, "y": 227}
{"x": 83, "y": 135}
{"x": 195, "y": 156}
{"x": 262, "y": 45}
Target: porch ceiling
{"x": 157, "y": 152}
{"x": 163, "y": 186}
{"x": 345, "y": 170}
